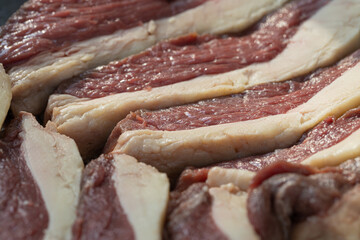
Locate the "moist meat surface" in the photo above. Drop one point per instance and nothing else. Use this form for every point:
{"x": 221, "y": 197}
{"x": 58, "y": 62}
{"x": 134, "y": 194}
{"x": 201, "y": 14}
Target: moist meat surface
{"x": 328, "y": 133}
{"x": 99, "y": 213}
{"x": 23, "y": 211}
{"x": 192, "y": 56}
{"x": 256, "y": 102}
{"x": 325, "y": 135}
{"x": 189, "y": 215}
{"x": 49, "y": 25}
{"x": 282, "y": 200}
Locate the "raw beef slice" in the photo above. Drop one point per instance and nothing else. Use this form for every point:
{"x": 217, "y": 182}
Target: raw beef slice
{"x": 39, "y": 181}
{"x": 331, "y": 142}
{"x": 121, "y": 199}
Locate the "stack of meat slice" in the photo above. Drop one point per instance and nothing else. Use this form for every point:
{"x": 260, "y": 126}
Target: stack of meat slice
{"x": 42, "y": 195}
{"x": 263, "y": 118}
{"x": 46, "y": 42}
{"x": 192, "y": 68}
{"x": 258, "y": 130}
{"x": 286, "y": 200}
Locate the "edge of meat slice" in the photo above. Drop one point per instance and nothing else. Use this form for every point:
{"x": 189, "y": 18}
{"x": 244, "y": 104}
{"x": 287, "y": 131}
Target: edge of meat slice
{"x": 5, "y": 94}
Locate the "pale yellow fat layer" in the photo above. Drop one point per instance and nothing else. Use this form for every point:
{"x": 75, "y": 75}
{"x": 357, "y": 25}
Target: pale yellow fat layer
{"x": 5, "y": 94}
{"x": 143, "y": 193}
{"x": 218, "y": 176}
{"x": 55, "y": 164}
{"x": 229, "y": 213}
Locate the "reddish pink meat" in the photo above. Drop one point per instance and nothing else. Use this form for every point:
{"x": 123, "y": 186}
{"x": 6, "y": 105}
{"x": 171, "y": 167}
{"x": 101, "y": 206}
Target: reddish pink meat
{"x": 99, "y": 213}
{"x": 328, "y": 133}
{"x": 192, "y": 56}
{"x": 23, "y": 213}
{"x": 257, "y": 102}
{"x": 190, "y": 217}
{"x": 42, "y": 25}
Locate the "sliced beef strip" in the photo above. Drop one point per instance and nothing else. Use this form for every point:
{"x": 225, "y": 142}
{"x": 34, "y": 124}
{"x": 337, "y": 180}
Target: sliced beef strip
{"x": 191, "y": 56}
{"x": 278, "y": 202}
{"x": 40, "y": 26}
{"x": 325, "y": 135}
{"x": 202, "y": 212}
{"x": 20, "y": 197}
{"x": 121, "y": 199}
{"x": 39, "y": 181}
{"x": 100, "y": 214}
{"x": 256, "y": 102}
{"x": 189, "y": 215}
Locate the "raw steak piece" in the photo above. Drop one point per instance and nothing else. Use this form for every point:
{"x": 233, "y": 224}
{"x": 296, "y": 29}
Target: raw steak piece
{"x": 5, "y": 94}
{"x": 171, "y": 151}
{"x": 329, "y": 143}
{"x": 201, "y": 212}
{"x": 99, "y": 116}
{"x": 320, "y": 200}
{"x": 39, "y": 181}
{"x": 121, "y": 199}
{"x": 65, "y": 38}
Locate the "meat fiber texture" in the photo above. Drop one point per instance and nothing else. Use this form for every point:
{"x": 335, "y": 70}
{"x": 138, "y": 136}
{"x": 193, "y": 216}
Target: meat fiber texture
{"x": 171, "y": 151}
{"x": 54, "y": 163}
{"x": 35, "y": 79}
{"x": 5, "y": 94}
{"x": 337, "y": 35}
{"x": 330, "y": 143}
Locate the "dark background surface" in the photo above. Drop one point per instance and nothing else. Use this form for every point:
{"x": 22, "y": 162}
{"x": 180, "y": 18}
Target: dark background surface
{"x": 8, "y": 7}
